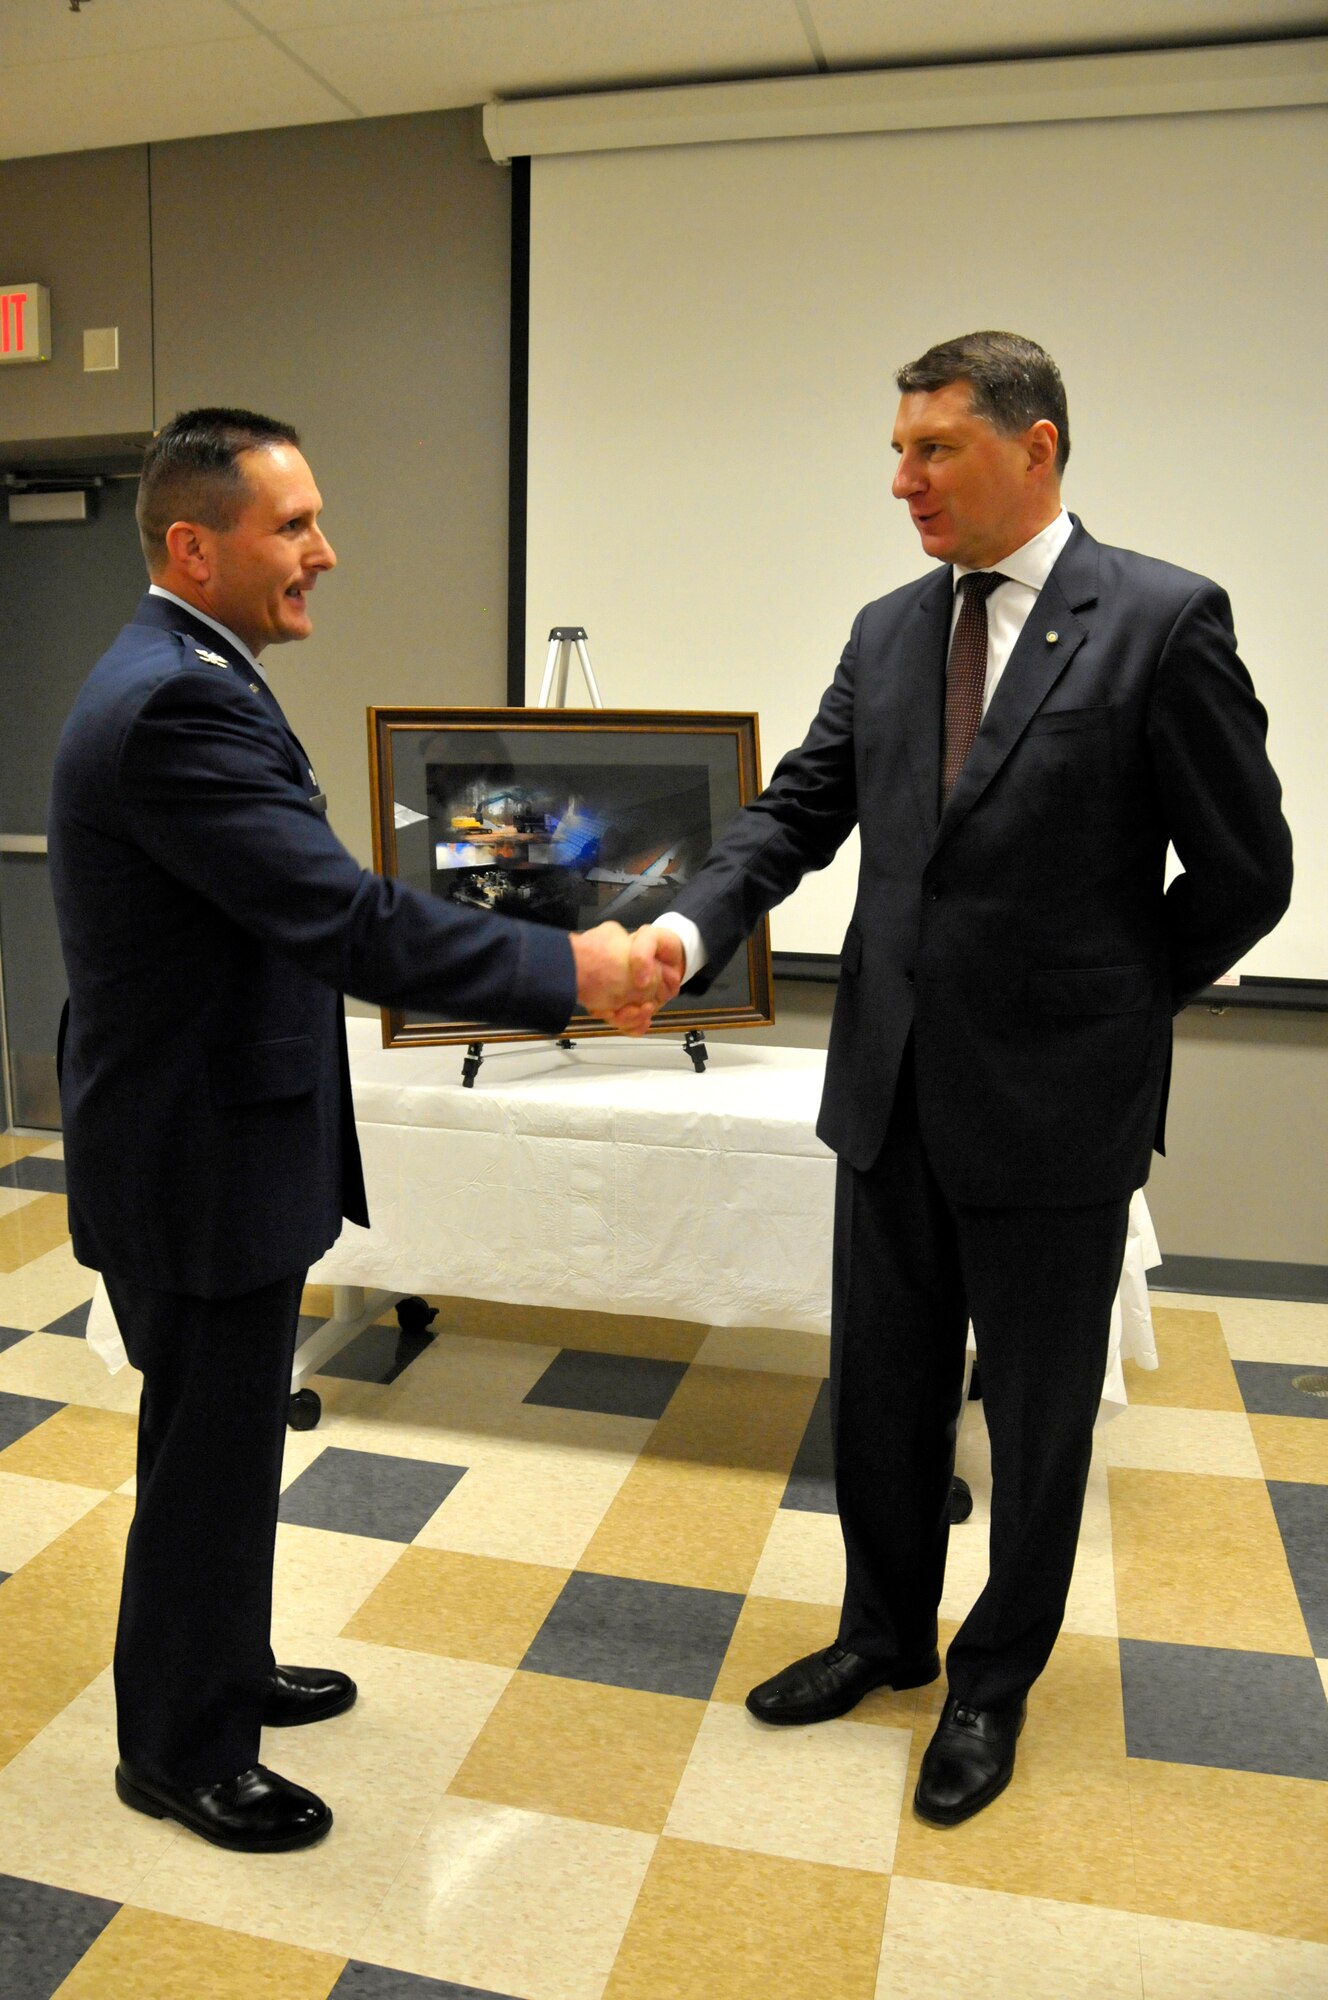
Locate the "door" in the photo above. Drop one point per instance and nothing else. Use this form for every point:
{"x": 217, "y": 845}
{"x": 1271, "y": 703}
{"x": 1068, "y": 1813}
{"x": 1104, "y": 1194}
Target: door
{"x": 66, "y": 588}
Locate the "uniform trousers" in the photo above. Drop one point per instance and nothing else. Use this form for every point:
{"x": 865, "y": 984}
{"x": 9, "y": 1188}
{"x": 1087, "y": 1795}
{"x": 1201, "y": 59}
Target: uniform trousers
{"x": 910, "y": 1269}
{"x": 193, "y": 1656}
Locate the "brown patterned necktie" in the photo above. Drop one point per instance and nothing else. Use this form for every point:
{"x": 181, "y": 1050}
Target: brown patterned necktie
{"x": 966, "y": 673}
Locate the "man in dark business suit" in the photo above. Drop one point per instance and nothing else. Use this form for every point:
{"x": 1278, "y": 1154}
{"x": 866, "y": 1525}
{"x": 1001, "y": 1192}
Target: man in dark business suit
{"x": 1017, "y": 736}
{"x": 210, "y": 922}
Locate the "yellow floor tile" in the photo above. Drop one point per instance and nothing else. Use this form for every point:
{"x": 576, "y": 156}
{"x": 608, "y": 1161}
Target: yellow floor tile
{"x": 30, "y": 1231}
{"x": 1155, "y": 1438}
{"x": 84, "y": 1447}
{"x": 700, "y": 1525}
{"x": 142, "y": 1956}
{"x": 1062, "y": 1830}
{"x": 470, "y": 1607}
{"x": 13, "y": 1148}
{"x": 60, "y": 1821}
{"x": 316, "y": 1302}
{"x": 34, "y": 1511}
{"x": 735, "y": 1417}
{"x": 697, "y": 1507}
{"x": 736, "y": 1926}
{"x": 557, "y": 1327}
{"x": 1237, "y": 1849}
{"x": 1200, "y": 1962}
{"x": 511, "y": 1902}
{"x": 948, "y": 1943}
{"x": 67, "y": 1371}
{"x": 832, "y": 1794}
{"x": 582, "y": 1751}
{"x": 1294, "y": 1448}
{"x": 57, "y": 1621}
{"x": 1194, "y": 1369}
{"x": 780, "y": 1350}
{"x": 1200, "y": 1562}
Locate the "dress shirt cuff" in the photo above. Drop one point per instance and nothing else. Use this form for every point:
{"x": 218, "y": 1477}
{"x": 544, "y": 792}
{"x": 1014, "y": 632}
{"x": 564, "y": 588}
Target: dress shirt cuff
{"x": 694, "y": 953}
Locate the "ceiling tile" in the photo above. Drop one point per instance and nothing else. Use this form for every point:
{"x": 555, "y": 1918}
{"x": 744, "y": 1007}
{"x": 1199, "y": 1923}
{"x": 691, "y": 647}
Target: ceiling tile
{"x": 177, "y": 94}
{"x": 864, "y": 33}
{"x": 465, "y": 53}
{"x": 33, "y": 31}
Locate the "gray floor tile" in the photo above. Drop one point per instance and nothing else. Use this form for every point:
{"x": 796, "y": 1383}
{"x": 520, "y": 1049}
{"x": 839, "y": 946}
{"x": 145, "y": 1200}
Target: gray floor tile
{"x": 44, "y": 1176}
{"x": 811, "y": 1484}
{"x": 659, "y": 1637}
{"x": 10, "y": 1335}
{"x": 1268, "y": 1389}
{"x": 1302, "y": 1517}
{"x": 43, "y": 1934}
{"x": 368, "y": 1493}
{"x": 1234, "y": 1711}
{"x": 379, "y": 1354}
{"x": 18, "y": 1416}
{"x": 74, "y": 1323}
{"x": 361, "y": 1981}
{"x": 619, "y": 1385}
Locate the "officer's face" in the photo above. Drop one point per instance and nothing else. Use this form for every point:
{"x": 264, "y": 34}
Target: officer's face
{"x": 261, "y": 570}
{"x": 973, "y": 495}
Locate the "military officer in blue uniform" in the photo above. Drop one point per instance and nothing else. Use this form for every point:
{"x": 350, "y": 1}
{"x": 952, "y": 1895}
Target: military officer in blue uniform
{"x": 210, "y": 921}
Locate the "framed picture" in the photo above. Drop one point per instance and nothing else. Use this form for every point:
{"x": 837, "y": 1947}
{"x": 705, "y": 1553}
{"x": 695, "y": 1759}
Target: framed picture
{"x": 566, "y": 817}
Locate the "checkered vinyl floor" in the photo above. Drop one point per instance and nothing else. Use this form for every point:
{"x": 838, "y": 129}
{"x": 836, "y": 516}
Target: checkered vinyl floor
{"x": 555, "y": 1550}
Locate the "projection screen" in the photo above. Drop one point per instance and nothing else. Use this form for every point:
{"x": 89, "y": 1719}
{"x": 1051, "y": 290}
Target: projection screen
{"x": 713, "y": 334}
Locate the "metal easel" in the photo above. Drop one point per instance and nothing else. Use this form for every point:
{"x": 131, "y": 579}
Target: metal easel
{"x": 564, "y": 640}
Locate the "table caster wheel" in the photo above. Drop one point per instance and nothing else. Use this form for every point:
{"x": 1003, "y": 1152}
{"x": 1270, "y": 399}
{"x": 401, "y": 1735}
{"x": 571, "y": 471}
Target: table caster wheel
{"x": 961, "y": 1501}
{"x": 304, "y": 1410}
{"x": 415, "y": 1315}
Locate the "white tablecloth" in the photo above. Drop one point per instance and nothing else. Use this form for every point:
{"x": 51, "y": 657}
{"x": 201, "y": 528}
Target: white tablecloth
{"x": 613, "y": 1177}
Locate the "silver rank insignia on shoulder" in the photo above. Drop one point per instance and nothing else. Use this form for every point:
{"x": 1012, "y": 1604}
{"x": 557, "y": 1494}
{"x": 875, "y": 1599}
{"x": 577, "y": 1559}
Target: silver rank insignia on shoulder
{"x": 312, "y": 779}
{"x": 213, "y": 659}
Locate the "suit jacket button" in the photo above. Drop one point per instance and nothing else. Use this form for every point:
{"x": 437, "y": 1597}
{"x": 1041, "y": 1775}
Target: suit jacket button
{"x": 908, "y": 979}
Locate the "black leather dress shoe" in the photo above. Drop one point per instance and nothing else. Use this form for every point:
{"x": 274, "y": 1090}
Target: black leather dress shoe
{"x": 306, "y": 1694}
{"x": 256, "y": 1813}
{"x": 833, "y": 1681}
{"x": 969, "y": 1761}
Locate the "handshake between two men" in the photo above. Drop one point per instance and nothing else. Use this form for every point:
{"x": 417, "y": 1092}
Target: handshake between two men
{"x": 626, "y": 977}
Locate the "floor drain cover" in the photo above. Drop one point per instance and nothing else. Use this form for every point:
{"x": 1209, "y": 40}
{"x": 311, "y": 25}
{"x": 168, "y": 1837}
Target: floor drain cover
{"x": 1313, "y": 1385}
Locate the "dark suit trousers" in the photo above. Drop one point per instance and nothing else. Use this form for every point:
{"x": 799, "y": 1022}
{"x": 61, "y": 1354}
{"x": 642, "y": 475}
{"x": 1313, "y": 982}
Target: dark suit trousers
{"x": 910, "y": 1270}
{"x": 192, "y": 1652}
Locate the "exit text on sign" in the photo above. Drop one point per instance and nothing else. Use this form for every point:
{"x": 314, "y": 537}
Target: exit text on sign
{"x": 25, "y": 323}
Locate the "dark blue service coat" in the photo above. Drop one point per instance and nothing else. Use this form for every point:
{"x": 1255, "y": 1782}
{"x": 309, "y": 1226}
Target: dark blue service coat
{"x": 210, "y": 921}
{"x": 1023, "y": 936}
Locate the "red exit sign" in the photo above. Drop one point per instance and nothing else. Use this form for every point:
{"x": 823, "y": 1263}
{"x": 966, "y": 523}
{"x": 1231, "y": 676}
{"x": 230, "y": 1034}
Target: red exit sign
{"x": 25, "y": 323}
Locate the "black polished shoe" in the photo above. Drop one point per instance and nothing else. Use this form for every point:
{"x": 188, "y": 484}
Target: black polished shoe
{"x": 833, "y": 1681}
{"x": 969, "y": 1761}
{"x": 306, "y": 1694}
{"x": 256, "y": 1813}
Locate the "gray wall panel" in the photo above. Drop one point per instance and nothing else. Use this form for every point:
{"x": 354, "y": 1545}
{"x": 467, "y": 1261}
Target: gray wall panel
{"x": 353, "y": 279}
{"x": 78, "y": 223}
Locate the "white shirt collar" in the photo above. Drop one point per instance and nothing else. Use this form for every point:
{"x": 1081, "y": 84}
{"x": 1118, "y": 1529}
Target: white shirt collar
{"x": 156, "y": 590}
{"x": 1032, "y": 564}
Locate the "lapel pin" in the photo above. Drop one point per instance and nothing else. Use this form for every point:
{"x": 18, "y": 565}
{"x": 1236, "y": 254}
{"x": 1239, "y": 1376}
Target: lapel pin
{"x": 1052, "y": 637}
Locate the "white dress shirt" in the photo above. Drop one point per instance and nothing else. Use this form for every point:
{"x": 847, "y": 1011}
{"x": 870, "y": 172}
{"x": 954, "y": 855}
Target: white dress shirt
{"x": 1025, "y": 571}
{"x": 155, "y": 590}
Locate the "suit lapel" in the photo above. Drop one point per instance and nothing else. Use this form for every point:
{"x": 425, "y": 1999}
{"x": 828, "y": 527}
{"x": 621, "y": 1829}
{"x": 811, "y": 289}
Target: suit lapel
{"x": 1052, "y": 635}
{"x": 920, "y": 671}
